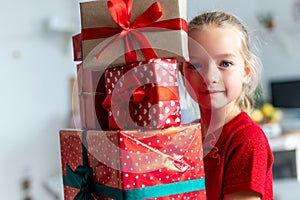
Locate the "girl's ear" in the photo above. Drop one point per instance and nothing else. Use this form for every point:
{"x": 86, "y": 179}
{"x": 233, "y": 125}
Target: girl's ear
{"x": 248, "y": 74}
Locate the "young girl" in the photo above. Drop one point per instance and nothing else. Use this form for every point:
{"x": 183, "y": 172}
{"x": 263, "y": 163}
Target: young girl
{"x": 221, "y": 76}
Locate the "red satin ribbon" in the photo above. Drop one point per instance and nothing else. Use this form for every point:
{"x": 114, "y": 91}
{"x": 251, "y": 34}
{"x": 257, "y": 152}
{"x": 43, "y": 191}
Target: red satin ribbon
{"x": 143, "y": 92}
{"x": 126, "y": 92}
{"x": 139, "y": 95}
{"x": 120, "y": 11}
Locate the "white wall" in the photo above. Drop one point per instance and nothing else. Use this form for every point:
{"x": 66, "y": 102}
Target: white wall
{"x": 36, "y": 64}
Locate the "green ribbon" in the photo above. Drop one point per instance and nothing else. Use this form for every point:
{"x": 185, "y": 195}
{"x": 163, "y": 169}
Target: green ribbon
{"x": 166, "y": 189}
{"x": 82, "y": 179}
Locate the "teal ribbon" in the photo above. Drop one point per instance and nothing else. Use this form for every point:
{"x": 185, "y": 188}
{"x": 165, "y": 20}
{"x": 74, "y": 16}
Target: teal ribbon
{"x": 165, "y": 189}
{"x": 82, "y": 179}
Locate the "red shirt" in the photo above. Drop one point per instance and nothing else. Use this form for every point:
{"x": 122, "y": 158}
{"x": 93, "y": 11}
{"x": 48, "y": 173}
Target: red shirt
{"x": 240, "y": 159}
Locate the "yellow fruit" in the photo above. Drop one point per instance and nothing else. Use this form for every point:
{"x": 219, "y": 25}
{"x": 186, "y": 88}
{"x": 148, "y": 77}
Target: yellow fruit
{"x": 257, "y": 115}
{"x": 268, "y": 109}
{"x": 276, "y": 117}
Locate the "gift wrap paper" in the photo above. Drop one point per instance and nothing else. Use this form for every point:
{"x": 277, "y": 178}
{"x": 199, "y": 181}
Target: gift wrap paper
{"x": 91, "y": 92}
{"x": 143, "y": 95}
{"x": 77, "y": 48}
{"x": 141, "y": 29}
{"x": 164, "y": 165}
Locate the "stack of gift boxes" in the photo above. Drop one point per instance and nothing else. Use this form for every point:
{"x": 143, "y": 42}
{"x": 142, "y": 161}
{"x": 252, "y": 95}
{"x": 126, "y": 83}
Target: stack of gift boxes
{"x": 131, "y": 143}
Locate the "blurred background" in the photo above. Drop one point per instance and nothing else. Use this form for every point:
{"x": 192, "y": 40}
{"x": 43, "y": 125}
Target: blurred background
{"x": 37, "y": 69}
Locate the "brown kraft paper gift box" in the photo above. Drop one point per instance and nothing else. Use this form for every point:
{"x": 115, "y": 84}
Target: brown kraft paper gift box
{"x": 166, "y": 41}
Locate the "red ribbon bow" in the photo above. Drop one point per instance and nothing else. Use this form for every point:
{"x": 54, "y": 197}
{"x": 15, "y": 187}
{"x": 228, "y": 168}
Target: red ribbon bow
{"x": 127, "y": 96}
{"x": 120, "y": 11}
{"x": 132, "y": 92}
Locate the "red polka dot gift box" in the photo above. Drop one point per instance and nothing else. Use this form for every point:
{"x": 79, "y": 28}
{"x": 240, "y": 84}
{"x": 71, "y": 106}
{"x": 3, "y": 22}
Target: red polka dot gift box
{"x": 135, "y": 164}
{"x": 143, "y": 95}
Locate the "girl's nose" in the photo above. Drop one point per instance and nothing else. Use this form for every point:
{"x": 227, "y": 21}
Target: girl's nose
{"x": 211, "y": 74}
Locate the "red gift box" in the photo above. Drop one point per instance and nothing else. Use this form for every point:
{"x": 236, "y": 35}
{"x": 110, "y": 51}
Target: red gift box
{"x": 158, "y": 164}
{"x": 143, "y": 95}
{"x": 91, "y": 92}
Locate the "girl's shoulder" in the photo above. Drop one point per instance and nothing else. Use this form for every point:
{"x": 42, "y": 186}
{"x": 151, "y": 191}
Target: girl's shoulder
{"x": 249, "y": 133}
{"x": 244, "y": 128}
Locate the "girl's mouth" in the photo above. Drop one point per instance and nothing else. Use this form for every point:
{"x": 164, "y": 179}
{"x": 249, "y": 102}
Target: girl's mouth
{"x": 211, "y": 92}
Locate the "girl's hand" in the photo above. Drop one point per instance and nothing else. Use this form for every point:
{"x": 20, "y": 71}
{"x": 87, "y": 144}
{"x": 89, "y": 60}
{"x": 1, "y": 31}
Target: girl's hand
{"x": 244, "y": 195}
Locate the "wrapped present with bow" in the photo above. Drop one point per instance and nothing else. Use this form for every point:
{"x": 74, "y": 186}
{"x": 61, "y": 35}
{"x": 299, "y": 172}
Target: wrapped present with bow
{"x": 91, "y": 91}
{"x": 125, "y": 165}
{"x": 143, "y": 95}
{"x": 118, "y": 32}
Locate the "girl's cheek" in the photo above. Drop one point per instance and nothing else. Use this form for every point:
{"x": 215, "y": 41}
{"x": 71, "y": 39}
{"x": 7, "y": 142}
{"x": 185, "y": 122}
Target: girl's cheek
{"x": 196, "y": 79}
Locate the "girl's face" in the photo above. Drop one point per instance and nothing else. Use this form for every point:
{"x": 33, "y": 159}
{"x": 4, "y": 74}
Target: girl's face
{"x": 217, "y": 72}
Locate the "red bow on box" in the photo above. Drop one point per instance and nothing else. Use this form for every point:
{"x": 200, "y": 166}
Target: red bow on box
{"x": 131, "y": 93}
{"x": 120, "y": 11}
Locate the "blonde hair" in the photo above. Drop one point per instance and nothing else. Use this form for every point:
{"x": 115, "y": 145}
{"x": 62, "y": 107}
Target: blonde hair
{"x": 223, "y": 19}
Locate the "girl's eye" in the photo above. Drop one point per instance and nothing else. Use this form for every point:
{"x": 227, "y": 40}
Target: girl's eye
{"x": 225, "y": 64}
{"x": 194, "y": 66}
